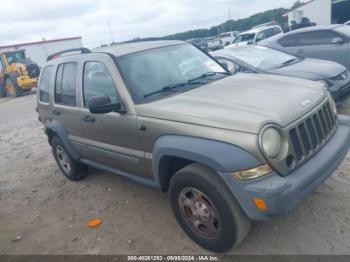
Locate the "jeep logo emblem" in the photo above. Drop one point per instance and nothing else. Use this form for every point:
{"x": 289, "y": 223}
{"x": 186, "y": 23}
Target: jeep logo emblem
{"x": 305, "y": 103}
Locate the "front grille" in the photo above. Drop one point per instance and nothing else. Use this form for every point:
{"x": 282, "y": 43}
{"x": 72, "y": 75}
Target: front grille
{"x": 307, "y": 136}
{"x": 33, "y": 70}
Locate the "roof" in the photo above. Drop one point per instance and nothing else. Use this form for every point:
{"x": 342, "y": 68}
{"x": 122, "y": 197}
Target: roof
{"x": 313, "y": 28}
{"x": 259, "y": 29}
{"x": 42, "y": 42}
{"x": 127, "y": 48}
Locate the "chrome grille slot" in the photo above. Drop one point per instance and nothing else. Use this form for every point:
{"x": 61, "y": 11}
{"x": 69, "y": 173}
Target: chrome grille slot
{"x": 307, "y": 136}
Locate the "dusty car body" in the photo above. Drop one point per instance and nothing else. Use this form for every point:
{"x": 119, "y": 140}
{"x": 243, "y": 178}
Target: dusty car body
{"x": 228, "y": 149}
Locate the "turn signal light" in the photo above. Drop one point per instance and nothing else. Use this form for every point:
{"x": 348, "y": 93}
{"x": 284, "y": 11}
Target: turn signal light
{"x": 260, "y": 203}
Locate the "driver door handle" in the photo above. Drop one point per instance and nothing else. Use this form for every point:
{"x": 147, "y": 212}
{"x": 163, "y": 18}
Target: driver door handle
{"x": 88, "y": 118}
{"x": 56, "y": 113}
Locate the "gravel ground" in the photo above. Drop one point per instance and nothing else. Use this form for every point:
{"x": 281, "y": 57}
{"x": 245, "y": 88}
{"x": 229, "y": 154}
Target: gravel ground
{"x": 43, "y": 213}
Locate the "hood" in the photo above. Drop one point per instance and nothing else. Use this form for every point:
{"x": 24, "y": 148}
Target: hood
{"x": 242, "y": 102}
{"x": 311, "y": 69}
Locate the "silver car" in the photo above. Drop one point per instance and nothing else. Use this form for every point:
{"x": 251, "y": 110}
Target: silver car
{"x": 321, "y": 42}
{"x": 264, "y": 60}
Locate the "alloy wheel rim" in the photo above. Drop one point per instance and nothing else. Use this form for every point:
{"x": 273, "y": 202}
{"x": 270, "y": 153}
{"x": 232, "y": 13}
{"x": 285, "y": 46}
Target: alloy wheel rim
{"x": 63, "y": 159}
{"x": 199, "y": 213}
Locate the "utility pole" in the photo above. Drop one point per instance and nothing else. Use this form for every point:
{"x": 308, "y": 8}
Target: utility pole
{"x": 229, "y": 19}
{"x": 110, "y": 31}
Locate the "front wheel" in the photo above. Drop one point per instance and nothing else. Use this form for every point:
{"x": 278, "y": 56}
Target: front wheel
{"x": 206, "y": 209}
{"x": 13, "y": 89}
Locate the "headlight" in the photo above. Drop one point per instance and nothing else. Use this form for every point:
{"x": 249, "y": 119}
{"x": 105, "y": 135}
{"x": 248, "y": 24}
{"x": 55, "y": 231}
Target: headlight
{"x": 332, "y": 103}
{"x": 271, "y": 142}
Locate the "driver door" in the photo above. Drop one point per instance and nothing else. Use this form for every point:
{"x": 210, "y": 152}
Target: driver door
{"x": 112, "y": 139}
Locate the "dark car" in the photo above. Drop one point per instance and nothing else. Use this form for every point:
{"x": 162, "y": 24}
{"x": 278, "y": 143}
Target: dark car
{"x": 199, "y": 42}
{"x": 264, "y": 60}
{"x": 320, "y": 42}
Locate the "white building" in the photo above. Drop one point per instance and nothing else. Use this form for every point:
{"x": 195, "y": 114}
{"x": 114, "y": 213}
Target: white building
{"x": 39, "y": 51}
{"x": 321, "y": 12}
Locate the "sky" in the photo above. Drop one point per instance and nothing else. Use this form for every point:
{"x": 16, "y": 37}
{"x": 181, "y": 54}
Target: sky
{"x": 24, "y": 21}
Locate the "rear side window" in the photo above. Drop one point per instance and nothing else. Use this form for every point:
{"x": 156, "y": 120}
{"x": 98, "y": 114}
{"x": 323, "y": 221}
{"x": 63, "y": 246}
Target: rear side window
{"x": 289, "y": 40}
{"x": 324, "y": 37}
{"x": 65, "y": 84}
{"x": 44, "y": 86}
{"x": 98, "y": 81}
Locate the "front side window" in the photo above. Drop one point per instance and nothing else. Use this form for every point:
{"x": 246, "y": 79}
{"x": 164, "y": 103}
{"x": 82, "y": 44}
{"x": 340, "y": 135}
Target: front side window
{"x": 261, "y": 36}
{"x": 322, "y": 37}
{"x": 44, "y": 85}
{"x": 65, "y": 84}
{"x": 166, "y": 68}
{"x": 15, "y": 57}
{"x": 98, "y": 81}
{"x": 287, "y": 41}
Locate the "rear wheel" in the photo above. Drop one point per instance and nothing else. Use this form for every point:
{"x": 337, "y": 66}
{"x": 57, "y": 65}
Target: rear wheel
{"x": 72, "y": 169}
{"x": 206, "y": 209}
{"x": 13, "y": 89}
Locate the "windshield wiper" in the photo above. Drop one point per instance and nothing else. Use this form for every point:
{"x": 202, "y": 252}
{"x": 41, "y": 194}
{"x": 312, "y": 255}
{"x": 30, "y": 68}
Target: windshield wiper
{"x": 289, "y": 61}
{"x": 208, "y": 74}
{"x": 172, "y": 88}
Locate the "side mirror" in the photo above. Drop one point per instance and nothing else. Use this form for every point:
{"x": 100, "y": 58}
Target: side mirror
{"x": 337, "y": 40}
{"x": 103, "y": 105}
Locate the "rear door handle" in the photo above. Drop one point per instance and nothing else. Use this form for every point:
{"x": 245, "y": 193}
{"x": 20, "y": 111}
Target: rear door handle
{"x": 56, "y": 113}
{"x": 89, "y": 118}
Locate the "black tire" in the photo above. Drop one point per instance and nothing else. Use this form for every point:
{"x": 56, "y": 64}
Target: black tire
{"x": 76, "y": 170}
{"x": 17, "y": 91}
{"x": 3, "y": 91}
{"x": 232, "y": 225}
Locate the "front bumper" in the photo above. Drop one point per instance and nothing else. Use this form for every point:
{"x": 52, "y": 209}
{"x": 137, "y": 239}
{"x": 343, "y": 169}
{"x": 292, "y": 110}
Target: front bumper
{"x": 282, "y": 194}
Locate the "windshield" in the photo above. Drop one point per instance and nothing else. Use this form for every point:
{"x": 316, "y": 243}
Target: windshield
{"x": 157, "y": 69}
{"x": 15, "y": 57}
{"x": 345, "y": 30}
{"x": 262, "y": 57}
{"x": 245, "y": 38}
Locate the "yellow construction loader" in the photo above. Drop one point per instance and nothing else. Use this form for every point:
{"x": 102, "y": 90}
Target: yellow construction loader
{"x": 18, "y": 74}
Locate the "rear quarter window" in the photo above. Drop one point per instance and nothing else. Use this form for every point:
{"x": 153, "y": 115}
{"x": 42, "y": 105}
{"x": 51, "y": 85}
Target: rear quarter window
{"x": 44, "y": 85}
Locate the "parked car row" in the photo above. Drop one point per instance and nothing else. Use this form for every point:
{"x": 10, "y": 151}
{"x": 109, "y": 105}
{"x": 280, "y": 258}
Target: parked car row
{"x": 235, "y": 38}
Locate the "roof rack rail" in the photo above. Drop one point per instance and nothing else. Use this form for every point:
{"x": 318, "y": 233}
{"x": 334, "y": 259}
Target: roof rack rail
{"x": 82, "y": 50}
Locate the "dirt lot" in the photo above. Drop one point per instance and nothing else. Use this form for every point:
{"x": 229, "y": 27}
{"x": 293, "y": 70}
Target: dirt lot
{"x": 43, "y": 213}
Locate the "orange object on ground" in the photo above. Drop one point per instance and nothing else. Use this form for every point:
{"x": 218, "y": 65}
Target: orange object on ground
{"x": 94, "y": 223}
